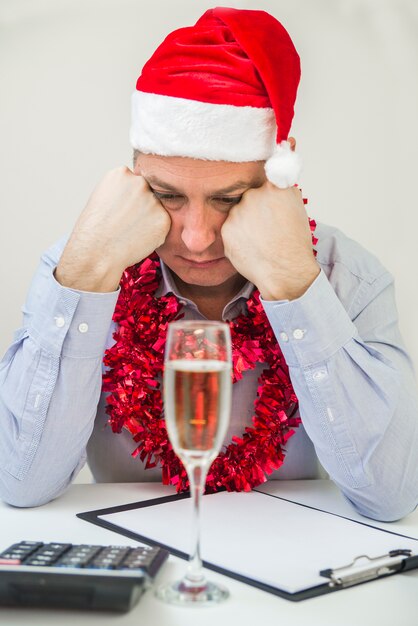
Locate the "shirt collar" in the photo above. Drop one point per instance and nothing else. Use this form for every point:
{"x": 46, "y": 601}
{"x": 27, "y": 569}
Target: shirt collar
{"x": 167, "y": 285}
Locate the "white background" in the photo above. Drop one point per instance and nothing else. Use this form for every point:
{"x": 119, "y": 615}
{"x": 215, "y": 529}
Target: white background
{"x": 67, "y": 70}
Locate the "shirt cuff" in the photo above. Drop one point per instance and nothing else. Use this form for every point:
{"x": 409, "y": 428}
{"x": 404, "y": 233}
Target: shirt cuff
{"x": 71, "y": 322}
{"x": 311, "y": 328}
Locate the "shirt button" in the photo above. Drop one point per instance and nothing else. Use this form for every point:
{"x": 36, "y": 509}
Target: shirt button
{"x": 83, "y": 327}
{"x": 59, "y": 322}
{"x": 319, "y": 375}
{"x": 284, "y": 336}
{"x": 298, "y": 333}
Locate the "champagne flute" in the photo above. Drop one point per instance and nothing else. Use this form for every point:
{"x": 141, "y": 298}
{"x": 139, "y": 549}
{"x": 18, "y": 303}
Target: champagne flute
{"x": 197, "y": 400}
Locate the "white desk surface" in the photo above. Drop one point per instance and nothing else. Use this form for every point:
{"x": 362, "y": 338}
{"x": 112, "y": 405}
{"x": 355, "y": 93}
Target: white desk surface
{"x": 392, "y": 601}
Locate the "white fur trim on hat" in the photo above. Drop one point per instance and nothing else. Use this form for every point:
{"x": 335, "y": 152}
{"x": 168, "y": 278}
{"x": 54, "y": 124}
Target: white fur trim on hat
{"x": 218, "y": 132}
{"x": 284, "y": 166}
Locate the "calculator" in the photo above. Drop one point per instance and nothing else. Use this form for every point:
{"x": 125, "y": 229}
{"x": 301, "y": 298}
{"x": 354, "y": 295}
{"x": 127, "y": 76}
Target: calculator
{"x": 65, "y": 575}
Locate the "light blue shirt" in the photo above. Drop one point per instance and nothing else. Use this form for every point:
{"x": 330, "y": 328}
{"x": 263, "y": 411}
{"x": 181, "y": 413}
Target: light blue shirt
{"x": 349, "y": 368}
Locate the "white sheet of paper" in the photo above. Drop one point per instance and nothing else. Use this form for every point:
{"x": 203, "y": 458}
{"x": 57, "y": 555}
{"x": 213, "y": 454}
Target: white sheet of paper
{"x": 262, "y": 537}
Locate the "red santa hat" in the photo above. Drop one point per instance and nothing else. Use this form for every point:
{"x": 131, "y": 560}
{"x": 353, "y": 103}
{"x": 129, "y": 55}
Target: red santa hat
{"x": 223, "y": 90}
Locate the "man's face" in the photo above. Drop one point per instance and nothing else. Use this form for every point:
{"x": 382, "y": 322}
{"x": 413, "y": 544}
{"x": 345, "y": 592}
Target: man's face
{"x": 198, "y": 196}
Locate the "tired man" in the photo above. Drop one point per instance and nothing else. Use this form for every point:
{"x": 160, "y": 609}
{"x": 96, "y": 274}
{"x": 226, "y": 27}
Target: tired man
{"x": 210, "y": 224}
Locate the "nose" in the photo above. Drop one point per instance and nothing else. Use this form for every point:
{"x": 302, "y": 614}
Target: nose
{"x": 198, "y": 231}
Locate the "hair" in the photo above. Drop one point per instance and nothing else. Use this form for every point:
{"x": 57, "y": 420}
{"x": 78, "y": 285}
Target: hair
{"x": 135, "y": 155}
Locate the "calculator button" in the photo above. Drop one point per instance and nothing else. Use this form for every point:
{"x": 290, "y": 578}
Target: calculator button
{"x": 109, "y": 558}
{"x": 136, "y": 559}
{"x": 78, "y": 556}
{"x": 55, "y": 547}
{"x": 51, "y": 551}
{"x": 26, "y": 545}
{"x": 11, "y": 555}
{"x": 140, "y": 558}
{"x": 65, "y": 555}
{"x": 86, "y": 549}
{"x": 16, "y": 553}
{"x": 43, "y": 558}
{"x": 145, "y": 550}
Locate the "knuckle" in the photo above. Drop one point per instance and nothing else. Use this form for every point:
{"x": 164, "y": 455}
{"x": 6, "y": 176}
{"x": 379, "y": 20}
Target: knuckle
{"x": 116, "y": 172}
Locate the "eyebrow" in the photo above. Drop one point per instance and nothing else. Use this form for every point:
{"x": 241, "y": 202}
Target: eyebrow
{"x": 239, "y": 184}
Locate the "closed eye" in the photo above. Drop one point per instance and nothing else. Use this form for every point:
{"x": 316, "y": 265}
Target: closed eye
{"x": 170, "y": 201}
{"x": 228, "y": 200}
{"x": 165, "y": 196}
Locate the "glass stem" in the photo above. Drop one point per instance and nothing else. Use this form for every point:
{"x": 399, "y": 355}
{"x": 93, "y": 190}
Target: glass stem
{"x": 197, "y": 476}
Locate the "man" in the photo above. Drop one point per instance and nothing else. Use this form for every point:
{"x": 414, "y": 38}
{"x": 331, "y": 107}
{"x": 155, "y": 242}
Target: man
{"x": 213, "y": 193}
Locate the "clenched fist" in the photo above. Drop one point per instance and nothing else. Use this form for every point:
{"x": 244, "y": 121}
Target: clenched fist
{"x": 268, "y": 240}
{"x": 122, "y": 224}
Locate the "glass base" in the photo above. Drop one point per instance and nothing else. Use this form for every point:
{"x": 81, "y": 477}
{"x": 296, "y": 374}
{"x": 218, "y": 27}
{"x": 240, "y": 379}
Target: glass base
{"x": 182, "y": 594}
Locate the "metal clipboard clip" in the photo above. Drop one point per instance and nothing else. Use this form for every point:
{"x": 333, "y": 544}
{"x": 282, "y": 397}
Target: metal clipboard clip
{"x": 364, "y": 568}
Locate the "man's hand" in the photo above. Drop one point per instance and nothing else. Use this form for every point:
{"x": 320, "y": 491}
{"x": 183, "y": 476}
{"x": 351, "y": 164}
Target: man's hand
{"x": 268, "y": 240}
{"x": 121, "y": 225}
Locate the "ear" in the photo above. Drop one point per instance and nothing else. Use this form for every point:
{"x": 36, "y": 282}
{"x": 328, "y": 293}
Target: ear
{"x": 135, "y": 162}
{"x": 292, "y": 142}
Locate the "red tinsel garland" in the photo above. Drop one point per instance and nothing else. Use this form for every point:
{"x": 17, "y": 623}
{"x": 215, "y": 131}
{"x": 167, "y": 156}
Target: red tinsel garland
{"x": 136, "y": 363}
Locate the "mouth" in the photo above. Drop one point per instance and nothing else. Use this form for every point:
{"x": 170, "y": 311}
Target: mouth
{"x": 202, "y": 264}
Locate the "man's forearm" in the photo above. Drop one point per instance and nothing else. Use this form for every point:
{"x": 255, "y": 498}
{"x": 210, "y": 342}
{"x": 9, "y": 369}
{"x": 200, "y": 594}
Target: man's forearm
{"x": 357, "y": 395}
{"x": 50, "y": 386}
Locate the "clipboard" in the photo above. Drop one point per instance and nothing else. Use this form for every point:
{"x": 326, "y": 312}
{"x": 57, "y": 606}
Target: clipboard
{"x": 159, "y": 522}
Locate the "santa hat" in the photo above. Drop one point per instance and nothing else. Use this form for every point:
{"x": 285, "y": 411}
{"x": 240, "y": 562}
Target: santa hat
{"x": 224, "y": 90}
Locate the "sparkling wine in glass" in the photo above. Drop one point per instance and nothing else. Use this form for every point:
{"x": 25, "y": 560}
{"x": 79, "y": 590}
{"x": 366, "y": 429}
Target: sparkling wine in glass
{"x": 197, "y": 401}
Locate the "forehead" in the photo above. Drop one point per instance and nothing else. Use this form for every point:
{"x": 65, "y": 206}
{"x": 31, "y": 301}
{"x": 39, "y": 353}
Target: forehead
{"x": 185, "y": 173}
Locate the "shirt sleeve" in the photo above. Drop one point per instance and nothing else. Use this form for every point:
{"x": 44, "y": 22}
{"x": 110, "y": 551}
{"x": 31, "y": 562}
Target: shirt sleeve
{"x": 50, "y": 382}
{"x": 356, "y": 389}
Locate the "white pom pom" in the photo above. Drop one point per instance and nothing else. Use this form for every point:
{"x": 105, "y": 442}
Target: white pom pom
{"x": 284, "y": 166}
